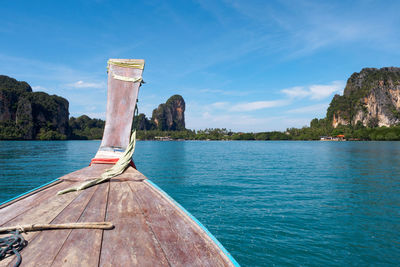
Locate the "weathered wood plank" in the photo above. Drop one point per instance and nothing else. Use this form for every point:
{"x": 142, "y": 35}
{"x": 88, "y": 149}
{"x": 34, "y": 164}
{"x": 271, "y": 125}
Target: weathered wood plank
{"x": 46, "y": 244}
{"x": 95, "y": 170}
{"x": 50, "y": 184}
{"x": 82, "y": 247}
{"x": 130, "y": 174}
{"x": 150, "y": 229}
{"x": 131, "y": 243}
{"x": 88, "y": 173}
{"x": 180, "y": 238}
{"x": 44, "y": 212}
{"x": 121, "y": 100}
{"x": 9, "y": 212}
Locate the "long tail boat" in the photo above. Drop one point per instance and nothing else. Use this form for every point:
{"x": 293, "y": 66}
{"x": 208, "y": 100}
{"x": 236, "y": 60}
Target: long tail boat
{"x": 150, "y": 228}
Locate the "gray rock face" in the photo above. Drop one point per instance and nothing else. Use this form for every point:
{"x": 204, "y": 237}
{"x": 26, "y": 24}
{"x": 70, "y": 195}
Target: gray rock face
{"x": 371, "y": 97}
{"x": 141, "y": 122}
{"x": 31, "y": 113}
{"x": 171, "y": 115}
{"x": 24, "y": 118}
{"x": 6, "y": 112}
{"x": 10, "y": 91}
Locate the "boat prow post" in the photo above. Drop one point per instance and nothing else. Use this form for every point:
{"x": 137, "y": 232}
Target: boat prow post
{"x": 124, "y": 81}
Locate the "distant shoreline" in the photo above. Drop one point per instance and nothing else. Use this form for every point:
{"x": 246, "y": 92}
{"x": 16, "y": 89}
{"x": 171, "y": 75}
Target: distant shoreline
{"x": 144, "y": 140}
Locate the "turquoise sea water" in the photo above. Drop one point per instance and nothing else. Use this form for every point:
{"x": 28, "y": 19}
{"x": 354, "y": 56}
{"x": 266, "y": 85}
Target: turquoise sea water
{"x": 277, "y": 203}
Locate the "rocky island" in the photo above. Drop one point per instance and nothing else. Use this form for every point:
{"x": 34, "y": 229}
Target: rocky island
{"x": 28, "y": 115}
{"x": 369, "y": 109}
{"x": 31, "y": 115}
{"x": 169, "y": 116}
{"x": 371, "y": 98}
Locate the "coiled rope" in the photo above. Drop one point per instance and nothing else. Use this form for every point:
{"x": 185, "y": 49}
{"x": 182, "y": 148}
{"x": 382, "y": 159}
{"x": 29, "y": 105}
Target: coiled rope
{"x": 12, "y": 245}
{"x": 15, "y": 242}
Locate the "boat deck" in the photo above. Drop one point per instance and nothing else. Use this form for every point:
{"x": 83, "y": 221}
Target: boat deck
{"x": 150, "y": 228}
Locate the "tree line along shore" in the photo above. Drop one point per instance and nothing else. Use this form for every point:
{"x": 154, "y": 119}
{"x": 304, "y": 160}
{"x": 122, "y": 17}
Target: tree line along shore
{"x": 305, "y": 133}
{"x": 368, "y": 110}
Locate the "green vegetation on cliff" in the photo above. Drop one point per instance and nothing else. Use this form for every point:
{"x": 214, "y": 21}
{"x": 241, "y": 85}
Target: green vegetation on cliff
{"x": 356, "y": 132}
{"x": 211, "y": 134}
{"x": 370, "y": 99}
{"x": 12, "y": 85}
{"x": 169, "y": 116}
{"x": 36, "y": 115}
{"x": 368, "y": 96}
{"x": 85, "y": 128}
{"x": 31, "y": 115}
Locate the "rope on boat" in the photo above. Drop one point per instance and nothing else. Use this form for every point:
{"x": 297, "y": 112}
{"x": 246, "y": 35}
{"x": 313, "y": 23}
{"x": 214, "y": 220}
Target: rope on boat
{"x": 12, "y": 245}
{"x": 132, "y": 64}
{"x": 126, "y": 79}
{"x": 15, "y": 242}
{"x": 40, "y": 227}
{"x": 119, "y": 167}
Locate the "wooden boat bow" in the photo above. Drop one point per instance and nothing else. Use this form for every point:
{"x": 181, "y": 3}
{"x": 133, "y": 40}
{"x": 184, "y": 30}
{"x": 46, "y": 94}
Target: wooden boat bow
{"x": 151, "y": 229}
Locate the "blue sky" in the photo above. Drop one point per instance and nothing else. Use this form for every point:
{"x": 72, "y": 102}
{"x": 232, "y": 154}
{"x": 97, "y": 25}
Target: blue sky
{"x": 242, "y": 65}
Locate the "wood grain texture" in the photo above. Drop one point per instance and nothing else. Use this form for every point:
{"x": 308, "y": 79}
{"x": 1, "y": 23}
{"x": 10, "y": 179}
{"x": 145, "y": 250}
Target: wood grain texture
{"x": 130, "y": 174}
{"x": 88, "y": 173}
{"x": 45, "y": 245}
{"x": 95, "y": 170}
{"x": 131, "y": 243}
{"x": 82, "y": 247}
{"x": 9, "y": 212}
{"x": 25, "y": 195}
{"x": 150, "y": 229}
{"x": 180, "y": 238}
{"x": 41, "y": 212}
{"x": 121, "y": 101}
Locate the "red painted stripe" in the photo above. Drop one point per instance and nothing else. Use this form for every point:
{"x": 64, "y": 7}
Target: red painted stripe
{"x": 108, "y": 161}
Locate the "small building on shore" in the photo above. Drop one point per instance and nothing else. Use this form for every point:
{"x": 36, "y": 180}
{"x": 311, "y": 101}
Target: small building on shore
{"x": 339, "y": 137}
{"x": 163, "y": 138}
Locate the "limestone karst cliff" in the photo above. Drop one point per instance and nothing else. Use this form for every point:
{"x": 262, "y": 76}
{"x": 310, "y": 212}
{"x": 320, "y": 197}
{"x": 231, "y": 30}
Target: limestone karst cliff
{"x": 371, "y": 98}
{"x": 169, "y": 116}
{"x": 27, "y": 115}
{"x": 31, "y": 115}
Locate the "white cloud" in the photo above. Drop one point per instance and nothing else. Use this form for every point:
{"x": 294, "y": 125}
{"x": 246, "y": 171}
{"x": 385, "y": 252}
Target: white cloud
{"x": 323, "y": 24}
{"x": 323, "y": 91}
{"x": 211, "y": 91}
{"x": 223, "y": 92}
{"x": 296, "y": 92}
{"x": 96, "y": 115}
{"x": 82, "y": 84}
{"x": 238, "y": 107}
{"x": 39, "y": 88}
{"x": 251, "y": 106}
{"x": 234, "y": 122}
{"x": 245, "y": 123}
{"x": 219, "y": 105}
{"x": 29, "y": 69}
{"x": 318, "y": 108}
{"x": 92, "y": 115}
{"x": 221, "y": 115}
{"x": 315, "y": 91}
